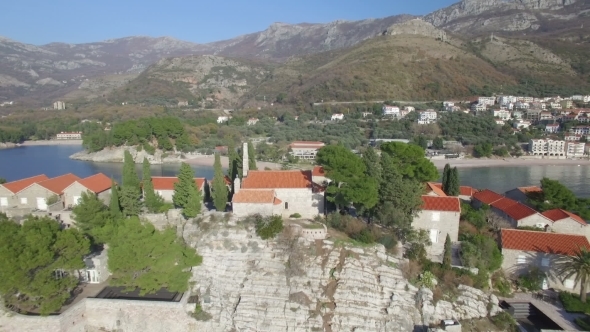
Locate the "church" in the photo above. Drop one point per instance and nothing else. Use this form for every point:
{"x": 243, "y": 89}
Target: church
{"x": 283, "y": 193}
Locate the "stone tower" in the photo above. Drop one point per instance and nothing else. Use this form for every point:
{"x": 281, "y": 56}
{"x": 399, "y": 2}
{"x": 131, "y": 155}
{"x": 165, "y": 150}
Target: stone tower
{"x": 237, "y": 185}
{"x": 245, "y": 161}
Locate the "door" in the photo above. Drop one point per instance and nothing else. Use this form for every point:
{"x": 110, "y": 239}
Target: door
{"x": 3, "y": 201}
{"x": 92, "y": 276}
{"x": 77, "y": 199}
{"x": 545, "y": 284}
{"x": 434, "y": 235}
{"x": 41, "y": 203}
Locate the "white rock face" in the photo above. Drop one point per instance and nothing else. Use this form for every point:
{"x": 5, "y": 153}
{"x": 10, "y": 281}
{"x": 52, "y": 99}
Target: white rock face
{"x": 117, "y": 155}
{"x": 416, "y": 27}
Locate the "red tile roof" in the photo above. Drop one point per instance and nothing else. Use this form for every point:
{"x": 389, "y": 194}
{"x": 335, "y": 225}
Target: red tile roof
{"x": 96, "y": 183}
{"x": 467, "y": 191}
{"x": 318, "y": 171}
{"x": 503, "y": 203}
{"x": 530, "y": 189}
{"x": 277, "y": 179}
{"x": 559, "y": 214}
{"x": 259, "y": 196}
{"x": 59, "y": 183}
{"x": 550, "y": 243}
{"x": 519, "y": 211}
{"x": 167, "y": 182}
{"x": 436, "y": 188}
{"x": 487, "y": 196}
{"x": 16, "y": 186}
{"x": 436, "y": 203}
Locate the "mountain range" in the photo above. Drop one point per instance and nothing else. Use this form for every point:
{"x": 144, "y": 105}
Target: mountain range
{"x": 481, "y": 44}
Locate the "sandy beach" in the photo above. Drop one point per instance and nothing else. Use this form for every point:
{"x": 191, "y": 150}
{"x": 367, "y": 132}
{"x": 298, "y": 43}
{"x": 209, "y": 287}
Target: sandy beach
{"x": 52, "y": 142}
{"x": 508, "y": 162}
{"x": 209, "y": 160}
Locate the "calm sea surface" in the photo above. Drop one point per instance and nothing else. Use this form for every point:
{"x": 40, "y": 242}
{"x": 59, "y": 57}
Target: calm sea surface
{"x": 52, "y": 161}
{"x": 28, "y": 161}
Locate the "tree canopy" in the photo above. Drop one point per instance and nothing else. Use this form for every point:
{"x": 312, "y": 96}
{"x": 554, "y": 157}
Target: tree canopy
{"x": 186, "y": 194}
{"x": 410, "y": 160}
{"x": 219, "y": 192}
{"x": 31, "y": 258}
{"x": 555, "y": 195}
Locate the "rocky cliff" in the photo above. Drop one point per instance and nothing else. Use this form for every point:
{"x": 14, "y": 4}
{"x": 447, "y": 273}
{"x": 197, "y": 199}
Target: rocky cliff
{"x": 416, "y": 27}
{"x": 289, "y": 284}
{"x": 117, "y": 155}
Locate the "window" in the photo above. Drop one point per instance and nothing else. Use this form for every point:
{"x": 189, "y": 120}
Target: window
{"x": 434, "y": 235}
{"x": 545, "y": 262}
{"x": 23, "y": 200}
{"x": 569, "y": 283}
{"x": 3, "y": 201}
{"x": 435, "y": 216}
{"x": 521, "y": 259}
{"x": 286, "y": 206}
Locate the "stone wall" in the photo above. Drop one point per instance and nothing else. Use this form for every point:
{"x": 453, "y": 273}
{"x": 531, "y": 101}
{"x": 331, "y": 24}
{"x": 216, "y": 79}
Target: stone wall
{"x": 242, "y": 210}
{"x": 31, "y": 194}
{"x": 11, "y": 199}
{"x": 298, "y": 201}
{"x": 172, "y": 218}
{"x": 448, "y": 223}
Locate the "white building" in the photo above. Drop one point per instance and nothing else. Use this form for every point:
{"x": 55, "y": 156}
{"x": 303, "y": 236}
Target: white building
{"x": 305, "y": 150}
{"x": 59, "y": 105}
{"x": 555, "y": 106}
{"x": 252, "y": 121}
{"x": 552, "y": 128}
{"x": 500, "y": 122}
{"x": 522, "y": 105}
{"x": 580, "y": 130}
{"x": 490, "y": 101}
{"x": 222, "y": 119}
{"x": 390, "y": 111}
{"x": 409, "y": 108}
{"x": 426, "y": 117}
{"x": 578, "y": 97}
{"x": 502, "y": 114}
{"x": 521, "y": 124}
{"x": 337, "y": 116}
{"x": 547, "y": 147}
{"x": 575, "y": 149}
{"x": 478, "y": 107}
{"x": 503, "y": 100}
{"x": 69, "y": 135}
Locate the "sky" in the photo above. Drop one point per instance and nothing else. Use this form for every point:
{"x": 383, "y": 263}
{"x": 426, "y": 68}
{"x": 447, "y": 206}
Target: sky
{"x": 40, "y": 22}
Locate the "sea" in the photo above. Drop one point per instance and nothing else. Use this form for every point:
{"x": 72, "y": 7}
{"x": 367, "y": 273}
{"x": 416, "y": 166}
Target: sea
{"x": 22, "y": 162}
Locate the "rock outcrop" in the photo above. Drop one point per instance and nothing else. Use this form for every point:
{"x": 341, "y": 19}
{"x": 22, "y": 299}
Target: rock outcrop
{"x": 416, "y": 27}
{"x": 117, "y": 155}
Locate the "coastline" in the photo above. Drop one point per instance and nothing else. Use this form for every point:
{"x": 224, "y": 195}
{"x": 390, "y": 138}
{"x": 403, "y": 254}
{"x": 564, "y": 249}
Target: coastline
{"x": 52, "y": 142}
{"x": 508, "y": 162}
{"x": 209, "y": 160}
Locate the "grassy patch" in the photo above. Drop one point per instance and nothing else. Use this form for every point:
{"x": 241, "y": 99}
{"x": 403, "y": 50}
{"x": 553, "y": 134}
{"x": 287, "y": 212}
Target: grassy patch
{"x": 571, "y": 303}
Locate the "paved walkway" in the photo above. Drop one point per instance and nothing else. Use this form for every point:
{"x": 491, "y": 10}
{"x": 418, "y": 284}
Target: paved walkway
{"x": 556, "y": 313}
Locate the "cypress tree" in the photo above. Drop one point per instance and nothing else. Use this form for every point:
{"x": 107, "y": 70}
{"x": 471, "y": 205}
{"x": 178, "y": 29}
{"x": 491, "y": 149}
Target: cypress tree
{"x": 152, "y": 201}
{"x": 182, "y": 188}
{"x": 130, "y": 178}
{"x": 130, "y": 203}
{"x": 219, "y": 191}
{"x": 454, "y": 185}
{"x": 447, "y": 258}
{"x": 114, "y": 205}
{"x": 251, "y": 157}
{"x": 373, "y": 164}
{"x": 193, "y": 204}
{"x": 445, "y": 178}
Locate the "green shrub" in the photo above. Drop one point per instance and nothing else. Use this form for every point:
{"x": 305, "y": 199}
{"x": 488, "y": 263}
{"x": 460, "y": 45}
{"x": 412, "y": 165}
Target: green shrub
{"x": 295, "y": 215}
{"x": 571, "y": 303}
{"x": 583, "y": 322}
{"x": 533, "y": 280}
{"x": 505, "y": 322}
{"x": 364, "y": 236}
{"x": 388, "y": 241}
{"x": 52, "y": 199}
{"x": 149, "y": 148}
{"x": 269, "y": 227}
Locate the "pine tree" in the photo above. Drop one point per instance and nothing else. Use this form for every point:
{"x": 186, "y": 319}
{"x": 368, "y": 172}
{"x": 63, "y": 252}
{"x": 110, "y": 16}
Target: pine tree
{"x": 152, "y": 200}
{"x": 445, "y": 178}
{"x": 130, "y": 177}
{"x": 372, "y": 161}
{"x": 454, "y": 185}
{"x": 251, "y": 157}
{"x": 219, "y": 191}
{"x": 447, "y": 258}
{"x": 194, "y": 203}
{"x": 114, "y": 205}
{"x": 182, "y": 188}
{"x": 130, "y": 203}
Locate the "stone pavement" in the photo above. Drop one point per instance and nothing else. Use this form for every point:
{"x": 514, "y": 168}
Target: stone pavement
{"x": 555, "y": 312}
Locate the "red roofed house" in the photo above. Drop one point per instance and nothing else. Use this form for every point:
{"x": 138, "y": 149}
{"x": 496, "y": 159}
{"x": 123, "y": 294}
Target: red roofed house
{"x": 9, "y": 191}
{"x": 520, "y": 194}
{"x": 523, "y": 250}
{"x": 294, "y": 189}
{"x": 466, "y": 193}
{"x": 567, "y": 223}
{"x": 305, "y": 150}
{"x": 318, "y": 175}
{"x": 434, "y": 189}
{"x": 36, "y": 195}
{"x": 439, "y": 216}
{"x": 98, "y": 184}
{"x": 164, "y": 186}
{"x": 484, "y": 197}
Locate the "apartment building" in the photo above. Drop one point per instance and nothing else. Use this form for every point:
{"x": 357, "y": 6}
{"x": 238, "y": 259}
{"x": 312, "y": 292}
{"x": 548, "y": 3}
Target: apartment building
{"x": 69, "y": 135}
{"x": 428, "y": 116}
{"x": 390, "y": 111}
{"x": 305, "y": 150}
{"x": 547, "y": 147}
{"x": 575, "y": 149}
{"x": 486, "y": 100}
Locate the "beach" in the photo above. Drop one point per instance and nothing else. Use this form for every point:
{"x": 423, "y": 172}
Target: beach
{"x": 52, "y": 142}
{"x": 507, "y": 162}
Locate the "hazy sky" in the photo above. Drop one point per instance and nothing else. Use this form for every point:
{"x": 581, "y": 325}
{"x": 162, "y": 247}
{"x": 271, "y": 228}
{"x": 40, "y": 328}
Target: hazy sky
{"x": 78, "y": 21}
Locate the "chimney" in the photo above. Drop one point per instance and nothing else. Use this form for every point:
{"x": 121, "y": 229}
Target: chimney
{"x": 245, "y": 161}
{"x": 237, "y": 185}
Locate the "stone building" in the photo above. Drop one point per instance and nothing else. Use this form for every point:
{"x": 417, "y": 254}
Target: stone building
{"x": 439, "y": 216}
{"x": 98, "y": 184}
{"x": 523, "y": 250}
{"x": 9, "y": 191}
{"x": 566, "y": 222}
{"x": 35, "y": 196}
{"x": 521, "y": 194}
{"x": 96, "y": 270}
{"x": 59, "y": 105}
{"x": 294, "y": 189}
{"x": 164, "y": 186}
